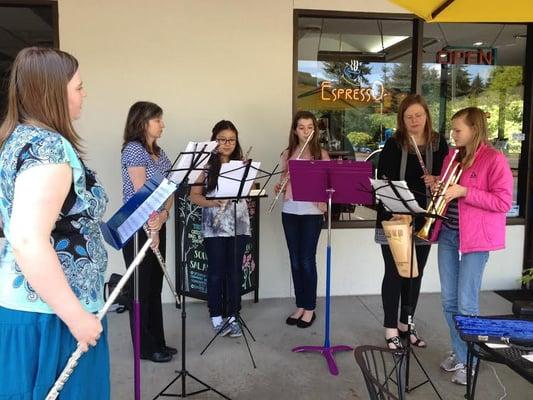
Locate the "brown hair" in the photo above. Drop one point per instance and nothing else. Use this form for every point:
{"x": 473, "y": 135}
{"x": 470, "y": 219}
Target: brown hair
{"x": 476, "y": 119}
{"x": 37, "y": 92}
{"x": 314, "y": 143}
{"x": 139, "y": 115}
{"x": 401, "y": 129}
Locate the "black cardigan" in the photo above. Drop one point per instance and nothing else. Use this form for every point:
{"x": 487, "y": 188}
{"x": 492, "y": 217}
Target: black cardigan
{"x": 389, "y": 168}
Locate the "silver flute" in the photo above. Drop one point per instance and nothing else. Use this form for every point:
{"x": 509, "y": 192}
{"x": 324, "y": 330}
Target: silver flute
{"x": 76, "y": 355}
{"x": 224, "y": 207}
{"x": 163, "y": 266}
{"x": 287, "y": 178}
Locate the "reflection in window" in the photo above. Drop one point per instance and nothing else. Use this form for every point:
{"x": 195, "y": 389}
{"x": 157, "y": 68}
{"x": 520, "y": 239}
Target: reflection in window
{"x": 353, "y": 74}
{"x": 479, "y": 65}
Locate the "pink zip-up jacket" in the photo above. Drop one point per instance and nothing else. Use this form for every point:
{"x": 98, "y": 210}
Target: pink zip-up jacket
{"x": 482, "y": 212}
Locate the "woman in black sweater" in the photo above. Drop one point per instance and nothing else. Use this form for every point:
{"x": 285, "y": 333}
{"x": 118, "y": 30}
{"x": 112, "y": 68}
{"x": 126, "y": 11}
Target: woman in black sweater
{"x": 398, "y": 161}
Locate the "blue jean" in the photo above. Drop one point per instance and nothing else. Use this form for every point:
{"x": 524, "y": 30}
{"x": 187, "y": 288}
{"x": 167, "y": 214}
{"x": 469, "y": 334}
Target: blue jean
{"x": 460, "y": 280}
{"x": 302, "y": 233}
{"x": 224, "y": 274}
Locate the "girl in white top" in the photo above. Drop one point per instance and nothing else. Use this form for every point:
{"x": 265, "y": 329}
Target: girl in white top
{"x": 302, "y": 220}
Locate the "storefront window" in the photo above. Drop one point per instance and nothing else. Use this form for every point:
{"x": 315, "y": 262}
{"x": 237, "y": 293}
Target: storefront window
{"x": 478, "y": 65}
{"x": 353, "y": 73}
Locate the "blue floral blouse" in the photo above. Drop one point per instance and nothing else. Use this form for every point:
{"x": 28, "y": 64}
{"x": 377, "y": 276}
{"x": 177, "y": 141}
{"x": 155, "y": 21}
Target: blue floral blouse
{"x": 76, "y": 237}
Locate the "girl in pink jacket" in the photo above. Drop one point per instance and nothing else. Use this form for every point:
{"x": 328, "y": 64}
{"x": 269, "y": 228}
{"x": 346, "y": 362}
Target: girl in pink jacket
{"x": 476, "y": 213}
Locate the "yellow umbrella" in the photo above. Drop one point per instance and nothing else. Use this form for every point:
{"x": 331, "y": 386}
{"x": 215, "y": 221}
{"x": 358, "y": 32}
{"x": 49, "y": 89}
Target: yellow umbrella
{"x": 470, "y": 10}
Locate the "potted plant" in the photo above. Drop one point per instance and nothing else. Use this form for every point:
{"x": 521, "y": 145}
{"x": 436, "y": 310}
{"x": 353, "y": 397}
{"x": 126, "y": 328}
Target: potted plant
{"x": 524, "y": 307}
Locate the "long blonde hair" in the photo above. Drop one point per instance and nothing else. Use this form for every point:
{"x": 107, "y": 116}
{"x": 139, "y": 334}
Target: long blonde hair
{"x": 37, "y": 92}
{"x": 476, "y": 119}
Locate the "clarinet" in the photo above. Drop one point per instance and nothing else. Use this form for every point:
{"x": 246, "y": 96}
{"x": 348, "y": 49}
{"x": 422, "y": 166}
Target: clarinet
{"x": 419, "y": 156}
{"x": 76, "y": 355}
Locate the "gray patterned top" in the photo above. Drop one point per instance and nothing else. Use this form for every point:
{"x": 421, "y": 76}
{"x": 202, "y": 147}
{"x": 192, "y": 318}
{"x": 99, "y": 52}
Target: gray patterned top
{"x": 224, "y": 225}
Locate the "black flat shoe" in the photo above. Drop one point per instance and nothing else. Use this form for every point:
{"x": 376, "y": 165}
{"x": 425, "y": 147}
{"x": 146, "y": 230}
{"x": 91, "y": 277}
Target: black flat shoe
{"x": 303, "y": 324}
{"x": 170, "y": 350}
{"x": 157, "y": 357}
{"x": 292, "y": 321}
{"x": 419, "y": 342}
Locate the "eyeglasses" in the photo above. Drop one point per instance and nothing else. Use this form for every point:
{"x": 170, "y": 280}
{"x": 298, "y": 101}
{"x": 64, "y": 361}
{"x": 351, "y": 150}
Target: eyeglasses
{"x": 225, "y": 141}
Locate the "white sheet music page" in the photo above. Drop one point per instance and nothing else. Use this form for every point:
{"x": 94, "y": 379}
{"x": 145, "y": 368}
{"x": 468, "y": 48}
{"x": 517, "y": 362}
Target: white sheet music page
{"x": 386, "y": 194}
{"x": 139, "y": 217}
{"x": 230, "y": 177}
{"x": 184, "y": 162}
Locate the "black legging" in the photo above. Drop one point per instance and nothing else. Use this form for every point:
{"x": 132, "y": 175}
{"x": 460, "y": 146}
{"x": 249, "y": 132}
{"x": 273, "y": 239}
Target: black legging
{"x": 394, "y": 287}
{"x": 150, "y": 286}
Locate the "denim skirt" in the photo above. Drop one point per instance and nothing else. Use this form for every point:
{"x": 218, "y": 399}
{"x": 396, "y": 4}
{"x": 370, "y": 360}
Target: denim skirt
{"x": 34, "y": 349}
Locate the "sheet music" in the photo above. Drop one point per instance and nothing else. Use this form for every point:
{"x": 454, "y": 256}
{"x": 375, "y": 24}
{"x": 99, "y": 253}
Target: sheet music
{"x": 184, "y": 162}
{"x": 230, "y": 177}
{"x": 386, "y": 194}
{"x": 139, "y": 217}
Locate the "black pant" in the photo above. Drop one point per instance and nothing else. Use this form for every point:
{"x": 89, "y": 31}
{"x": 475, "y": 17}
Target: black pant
{"x": 150, "y": 286}
{"x": 395, "y": 287}
{"x": 225, "y": 268}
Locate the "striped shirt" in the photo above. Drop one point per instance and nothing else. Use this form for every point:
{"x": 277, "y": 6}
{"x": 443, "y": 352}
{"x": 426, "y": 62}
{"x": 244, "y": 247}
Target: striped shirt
{"x": 452, "y": 213}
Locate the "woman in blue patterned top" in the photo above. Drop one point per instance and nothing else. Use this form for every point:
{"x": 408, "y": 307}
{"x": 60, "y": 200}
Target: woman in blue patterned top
{"x": 52, "y": 266}
{"x": 141, "y": 159}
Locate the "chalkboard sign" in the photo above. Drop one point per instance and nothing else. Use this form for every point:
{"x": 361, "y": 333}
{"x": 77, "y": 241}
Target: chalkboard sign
{"x": 189, "y": 242}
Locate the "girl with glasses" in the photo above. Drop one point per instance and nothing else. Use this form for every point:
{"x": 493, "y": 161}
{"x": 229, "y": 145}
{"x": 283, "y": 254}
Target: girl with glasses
{"x": 218, "y": 230}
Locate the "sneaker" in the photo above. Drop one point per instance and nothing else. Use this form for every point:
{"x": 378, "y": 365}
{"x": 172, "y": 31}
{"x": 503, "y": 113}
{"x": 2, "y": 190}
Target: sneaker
{"x": 226, "y": 329}
{"x": 235, "y": 330}
{"x": 451, "y": 364}
{"x": 459, "y": 376}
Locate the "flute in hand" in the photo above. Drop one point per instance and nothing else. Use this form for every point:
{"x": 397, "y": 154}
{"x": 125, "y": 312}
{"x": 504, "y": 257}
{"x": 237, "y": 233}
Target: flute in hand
{"x": 76, "y": 355}
{"x": 162, "y": 264}
{"x": 285, "y": 180}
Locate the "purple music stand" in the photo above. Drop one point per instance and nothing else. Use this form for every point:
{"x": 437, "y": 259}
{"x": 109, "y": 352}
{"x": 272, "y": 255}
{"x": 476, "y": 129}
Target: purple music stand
{"x": 331, "y": 182}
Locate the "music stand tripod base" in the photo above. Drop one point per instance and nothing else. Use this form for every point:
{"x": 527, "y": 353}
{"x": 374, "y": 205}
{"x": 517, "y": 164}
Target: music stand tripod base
{"x": 327, "y": 352}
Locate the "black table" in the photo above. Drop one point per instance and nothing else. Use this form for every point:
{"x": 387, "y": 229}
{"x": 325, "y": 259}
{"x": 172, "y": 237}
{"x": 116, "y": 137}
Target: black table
{"x": 510, "y": 356}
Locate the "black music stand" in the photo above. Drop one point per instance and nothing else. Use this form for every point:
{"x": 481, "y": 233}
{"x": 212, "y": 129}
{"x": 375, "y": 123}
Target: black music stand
{"x": 197, "y": 156}
{"x": 398, "y": 199}
{"x": 242, "y": 180}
